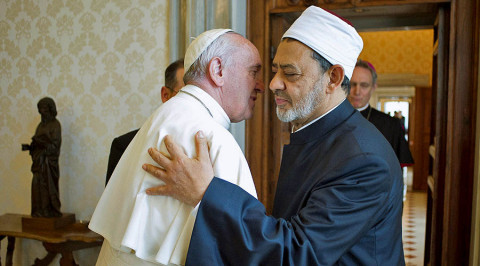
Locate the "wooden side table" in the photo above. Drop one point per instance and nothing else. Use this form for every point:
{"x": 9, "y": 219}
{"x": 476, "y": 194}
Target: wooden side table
{"x": 62, "y": 240}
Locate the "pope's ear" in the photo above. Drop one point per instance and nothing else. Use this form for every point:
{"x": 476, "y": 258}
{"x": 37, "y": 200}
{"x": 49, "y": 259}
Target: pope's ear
{"x": 336, "y": 76}
{"x": 215, "y": 70}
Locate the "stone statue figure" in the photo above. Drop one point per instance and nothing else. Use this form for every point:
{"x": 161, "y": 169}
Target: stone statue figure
{"x": 45, "y": 150}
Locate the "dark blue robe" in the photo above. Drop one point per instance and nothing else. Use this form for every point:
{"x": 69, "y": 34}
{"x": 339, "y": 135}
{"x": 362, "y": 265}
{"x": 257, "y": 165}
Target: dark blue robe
{"x": 338, "y": 202}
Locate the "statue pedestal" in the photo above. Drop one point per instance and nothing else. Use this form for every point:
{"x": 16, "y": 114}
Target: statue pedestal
{"x": 47, "y": 223}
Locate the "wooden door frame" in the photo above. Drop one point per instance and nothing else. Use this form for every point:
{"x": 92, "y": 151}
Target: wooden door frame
{"x": 460, "y": 136}
{"x": 460, "y": 121}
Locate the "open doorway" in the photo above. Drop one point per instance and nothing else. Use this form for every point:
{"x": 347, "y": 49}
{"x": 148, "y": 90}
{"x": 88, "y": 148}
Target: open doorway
{"x": 398, "y": 108}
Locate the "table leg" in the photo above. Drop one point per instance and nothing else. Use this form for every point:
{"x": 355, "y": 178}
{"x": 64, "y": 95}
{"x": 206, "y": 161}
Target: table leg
{"x": 1, "y": 237}
{"x": 10, "y": 248}
{"x": 46, "y": 260}
{"x": 65, "y": 249}
{"x": 67, "y": 259}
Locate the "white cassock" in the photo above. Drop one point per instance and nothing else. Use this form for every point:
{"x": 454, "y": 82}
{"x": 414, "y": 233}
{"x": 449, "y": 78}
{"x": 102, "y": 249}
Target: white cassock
{"x": 157, "y": 229}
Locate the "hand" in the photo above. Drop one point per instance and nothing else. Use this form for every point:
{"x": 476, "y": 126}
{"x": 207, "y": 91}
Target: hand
{"x": 185, "y": 179}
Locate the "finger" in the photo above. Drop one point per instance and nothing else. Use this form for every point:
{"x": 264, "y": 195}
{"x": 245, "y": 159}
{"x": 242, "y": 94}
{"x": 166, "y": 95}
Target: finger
{"x": 155, "y": 171}
{"x": 159, "y": 157}
{"x": 201, "y": 146}
{"x": 172, "y": 148}
{"x": 158, "y": 190}
{"x": 164, "y": 153}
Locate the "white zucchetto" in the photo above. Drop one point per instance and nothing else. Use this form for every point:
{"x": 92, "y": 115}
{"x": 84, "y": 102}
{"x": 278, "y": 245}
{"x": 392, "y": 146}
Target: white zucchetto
{"x": 200, "y": 44}
{"x": 330, "y": 36}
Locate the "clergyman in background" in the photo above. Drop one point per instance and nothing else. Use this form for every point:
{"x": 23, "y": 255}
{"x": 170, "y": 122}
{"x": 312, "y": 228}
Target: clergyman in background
{"x": 362, "y": 85}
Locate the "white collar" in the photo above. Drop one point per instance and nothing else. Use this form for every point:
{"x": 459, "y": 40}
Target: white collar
{"x": 318, "y": 118}
{"x": 363, "y": 108}
{"x": 212, "y": 106}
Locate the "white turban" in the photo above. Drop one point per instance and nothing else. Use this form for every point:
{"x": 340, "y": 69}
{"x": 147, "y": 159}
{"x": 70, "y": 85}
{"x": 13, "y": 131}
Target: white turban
{"x": 200, "y": 44}
{"x": 328, "y": 35}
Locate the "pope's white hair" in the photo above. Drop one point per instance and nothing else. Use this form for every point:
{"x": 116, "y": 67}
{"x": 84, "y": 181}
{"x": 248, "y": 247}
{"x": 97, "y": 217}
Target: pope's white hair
{"x": 223, "y": 47}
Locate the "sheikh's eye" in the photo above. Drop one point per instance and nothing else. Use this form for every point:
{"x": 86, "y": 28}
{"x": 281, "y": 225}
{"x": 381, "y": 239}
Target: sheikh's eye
{"x": 291, "y": 75}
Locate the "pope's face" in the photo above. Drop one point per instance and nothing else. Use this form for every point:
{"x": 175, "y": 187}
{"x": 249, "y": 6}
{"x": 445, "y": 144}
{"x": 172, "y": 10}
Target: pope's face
{"x": 298, "y": 82}
{"x": 243, "y": 82}
{"x": 361, "y": 87}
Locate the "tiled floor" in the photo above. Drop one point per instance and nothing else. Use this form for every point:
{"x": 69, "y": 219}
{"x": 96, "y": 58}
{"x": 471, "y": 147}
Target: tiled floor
{"x": 413, "y": 224}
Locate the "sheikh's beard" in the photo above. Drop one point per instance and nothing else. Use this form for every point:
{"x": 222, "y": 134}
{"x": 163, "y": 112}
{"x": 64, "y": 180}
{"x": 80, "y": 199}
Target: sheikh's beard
{"x": 303, "y": 109}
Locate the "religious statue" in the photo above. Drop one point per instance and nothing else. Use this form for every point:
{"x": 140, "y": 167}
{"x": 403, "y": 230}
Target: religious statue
{"x": 45, "y": 150}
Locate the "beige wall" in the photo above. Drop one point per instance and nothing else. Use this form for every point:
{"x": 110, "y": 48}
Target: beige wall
{"x": 102, "y": 62}
{"x": 399, "y": 52}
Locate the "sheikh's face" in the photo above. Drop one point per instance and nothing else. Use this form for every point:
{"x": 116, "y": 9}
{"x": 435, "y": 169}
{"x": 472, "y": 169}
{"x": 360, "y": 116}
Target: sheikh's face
{"x": 297, "y": 84}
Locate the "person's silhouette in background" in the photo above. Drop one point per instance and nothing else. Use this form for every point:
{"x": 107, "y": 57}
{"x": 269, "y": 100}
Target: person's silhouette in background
{"x": 173, "y": 83}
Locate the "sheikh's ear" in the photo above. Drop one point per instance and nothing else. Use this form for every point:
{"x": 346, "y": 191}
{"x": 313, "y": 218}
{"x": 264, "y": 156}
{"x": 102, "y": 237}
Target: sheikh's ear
{"x": 336, "y": 76}
{"x": 215, "y": 71}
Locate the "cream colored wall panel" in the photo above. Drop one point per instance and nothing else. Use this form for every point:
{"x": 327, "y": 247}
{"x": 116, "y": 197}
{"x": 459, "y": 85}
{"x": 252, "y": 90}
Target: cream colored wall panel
{"x": 102, "y": 62}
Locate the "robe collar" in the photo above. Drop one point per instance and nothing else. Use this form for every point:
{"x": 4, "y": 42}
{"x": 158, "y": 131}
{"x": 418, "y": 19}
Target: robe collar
{"x": 212, "y": 106}
{"x": 318, "y": 118}
{"x": 323, "y": 126}
{"x": 366, "y": 112}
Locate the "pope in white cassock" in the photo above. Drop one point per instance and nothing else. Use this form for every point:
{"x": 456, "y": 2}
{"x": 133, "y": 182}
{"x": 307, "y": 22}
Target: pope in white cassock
{"x": 221, "y": 73}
